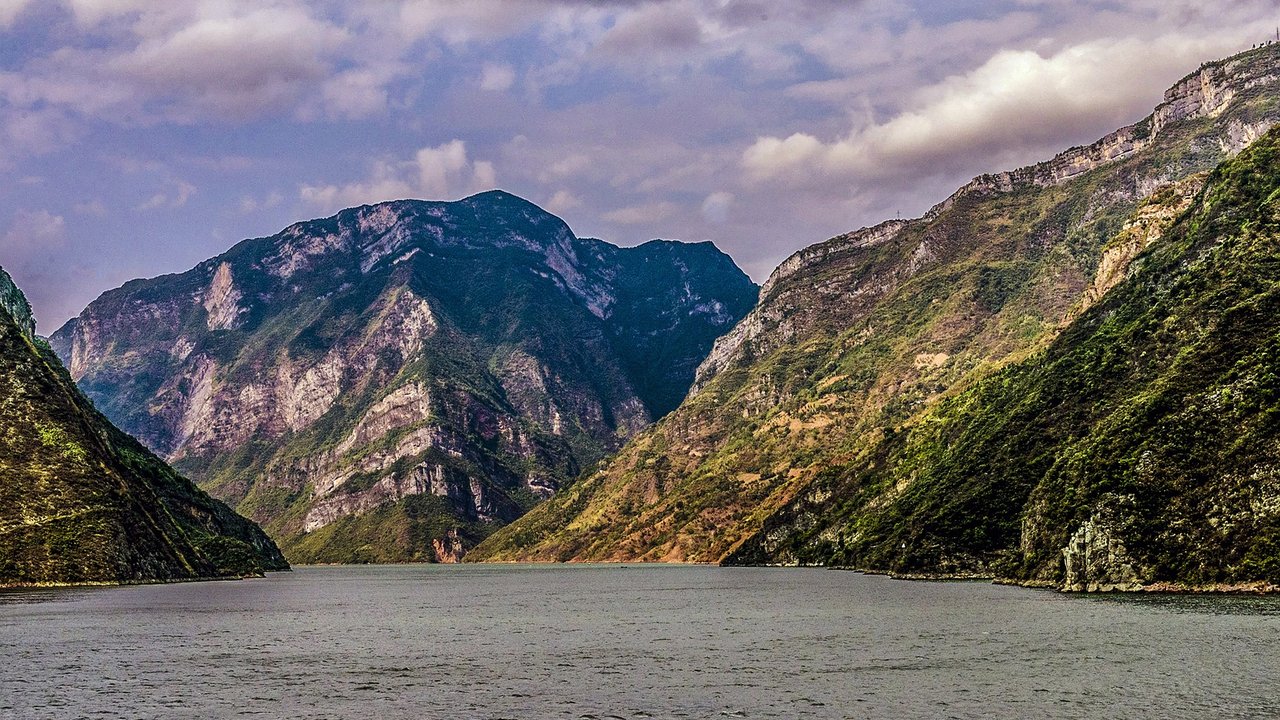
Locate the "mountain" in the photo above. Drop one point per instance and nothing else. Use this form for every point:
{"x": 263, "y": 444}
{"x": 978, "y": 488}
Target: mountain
{"x": 81, "y": 502}
{"x": 394, "y": 382}
{"x": 802, "y": 440}
{"x": 1140, "y": 448}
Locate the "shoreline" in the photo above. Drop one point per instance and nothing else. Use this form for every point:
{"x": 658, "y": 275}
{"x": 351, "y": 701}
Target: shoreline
{"x": 54, "y": 585}
{"x": 1255, "y": 588}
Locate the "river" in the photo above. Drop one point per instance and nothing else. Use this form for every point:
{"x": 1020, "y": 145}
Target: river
{"x": 597, "y": 642}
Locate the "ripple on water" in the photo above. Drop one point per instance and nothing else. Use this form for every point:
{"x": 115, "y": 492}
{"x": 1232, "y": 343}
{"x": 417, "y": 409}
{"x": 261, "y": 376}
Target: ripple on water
{"x": 591, "y": 642}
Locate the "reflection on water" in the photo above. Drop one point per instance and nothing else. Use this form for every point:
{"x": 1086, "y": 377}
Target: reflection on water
{"x": 1245, "y": 604}
{"x": 641, "y": 642}
{"x": 28, "y": 596}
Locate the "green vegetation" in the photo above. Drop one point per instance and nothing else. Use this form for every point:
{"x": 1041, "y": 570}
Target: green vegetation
{"x": 81, "y": 502}
{"x": 1152, "y": 420}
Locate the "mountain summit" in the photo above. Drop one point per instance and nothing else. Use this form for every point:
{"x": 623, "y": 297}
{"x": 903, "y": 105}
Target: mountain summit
{"x": 397, "y": 380}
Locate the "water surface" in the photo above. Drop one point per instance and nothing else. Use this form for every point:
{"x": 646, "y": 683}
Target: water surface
{"x": 583, "y": 642}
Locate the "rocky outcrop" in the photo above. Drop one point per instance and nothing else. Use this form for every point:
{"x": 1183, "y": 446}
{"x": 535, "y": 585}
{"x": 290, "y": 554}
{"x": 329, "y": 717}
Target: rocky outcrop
{"x": 359, "y": 382}
{"x": 782, "y": 314}
{"x": 15, "y": 304}
{"x": 1206, "y": 93}
{"x": 1139, "y": 232}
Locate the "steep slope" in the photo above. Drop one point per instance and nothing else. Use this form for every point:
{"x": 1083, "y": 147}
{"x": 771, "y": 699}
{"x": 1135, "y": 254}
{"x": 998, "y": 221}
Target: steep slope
{"x": 857, "y": 338}
{"x": 394, "y": 382}
{"x": 81, "y": 502}
{"x": 1140, "y": 448}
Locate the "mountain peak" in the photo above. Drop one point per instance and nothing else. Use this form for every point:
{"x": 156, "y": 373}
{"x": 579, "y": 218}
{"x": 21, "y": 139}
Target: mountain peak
{"x": 497, "y": 197}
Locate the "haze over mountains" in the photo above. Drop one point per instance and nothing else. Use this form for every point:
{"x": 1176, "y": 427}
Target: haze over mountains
{"x": 396, "y": 381}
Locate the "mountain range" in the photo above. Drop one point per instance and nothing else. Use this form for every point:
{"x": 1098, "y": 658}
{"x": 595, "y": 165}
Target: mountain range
{"x": 1062, "y": 375}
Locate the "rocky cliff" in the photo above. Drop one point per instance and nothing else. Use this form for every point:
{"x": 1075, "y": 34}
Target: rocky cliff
{"x": 81, "y": 502}
{"x": 858, "y": 340}
{"x": 406, "y": 376}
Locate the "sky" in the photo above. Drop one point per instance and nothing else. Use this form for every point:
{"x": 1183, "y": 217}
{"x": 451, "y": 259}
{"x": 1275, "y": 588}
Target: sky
{"x": 138, "y": 138}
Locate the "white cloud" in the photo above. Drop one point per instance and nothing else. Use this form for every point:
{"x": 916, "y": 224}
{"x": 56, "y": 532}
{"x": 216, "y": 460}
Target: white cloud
{"x": 33, "y": 229}
{"x": 497, "y": 77}
{"x": 235, "y": 66}
{"x": 1015, "y": 107}
{"x": 28, "y": 251}
{"x": 250, "y": 204}
{"x": 647, "y": 213}
{"x": 355, "y": 93}
{"x": 10, "y": 10}
{"x": 434, "y": 173}
{"x": 566, "y": 167}
{"x": 715, "y": 208}
{"x": 563, "y": 201}
{"x": 176, "y": 198}
{"x": 191, "y": 62}
{"x": 656, "y": 27}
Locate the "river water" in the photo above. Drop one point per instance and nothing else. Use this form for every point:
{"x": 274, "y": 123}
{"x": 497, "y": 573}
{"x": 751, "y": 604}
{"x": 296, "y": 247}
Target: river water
{"x": 583, "y": 642}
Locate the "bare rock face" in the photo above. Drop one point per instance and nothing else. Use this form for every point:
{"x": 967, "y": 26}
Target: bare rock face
{"x": 222, "y": 300}
{"x": 366, "y": 384}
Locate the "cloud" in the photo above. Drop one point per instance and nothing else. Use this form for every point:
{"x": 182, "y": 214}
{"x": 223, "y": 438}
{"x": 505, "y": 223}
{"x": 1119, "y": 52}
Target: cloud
{"x": 226, "y": 60}
{"x": 462, "y": 22}
{"x": 497, "y": 78}
{"x": 647, "y": 213}
{"x": 1015, "y": 107}
{"x": 250, "y": 204}
{"x": 90, "y": 13}
{"x": 566, "y": 167}
{"x": 655, "y": 27}
{"x": 355, "y": 93}
{"x": 30, "y": 250}
{"x": 10, "y": 10}
{"x": 434, "y": 173}
{"x": 715, "y": 208}
{"x": 236, "y": 66}
{"x": 562, "y": 202}
{"x": 175, "y": 198}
